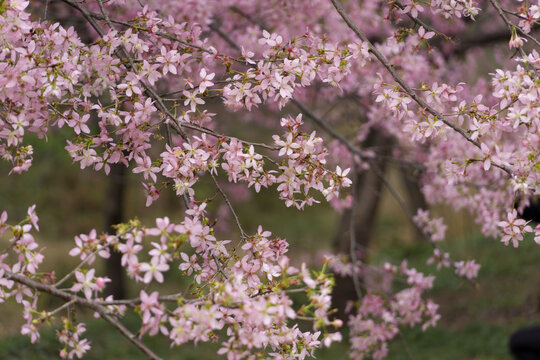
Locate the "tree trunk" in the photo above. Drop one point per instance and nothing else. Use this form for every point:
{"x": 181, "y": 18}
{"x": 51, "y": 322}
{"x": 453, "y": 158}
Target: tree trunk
{"x": 411, "y": 180}
{"x": 369, "y": 187}
{"x": 114, "y": 214}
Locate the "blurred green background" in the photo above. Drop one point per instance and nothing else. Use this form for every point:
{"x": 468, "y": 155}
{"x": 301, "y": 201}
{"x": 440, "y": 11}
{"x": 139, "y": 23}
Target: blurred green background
{"x": 477, "y": 319}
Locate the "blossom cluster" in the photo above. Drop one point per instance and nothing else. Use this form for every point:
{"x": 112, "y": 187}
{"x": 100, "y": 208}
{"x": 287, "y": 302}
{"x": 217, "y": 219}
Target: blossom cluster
{"x": 513, "y": 229}
{"x": 448, "y": 8}
{"x": 378, "y": 318}
{"x": 435, "y": 229}
{"x": 289, "y": 65}
{"x": 245, "y": 291}
{"x": 303, "y": 167}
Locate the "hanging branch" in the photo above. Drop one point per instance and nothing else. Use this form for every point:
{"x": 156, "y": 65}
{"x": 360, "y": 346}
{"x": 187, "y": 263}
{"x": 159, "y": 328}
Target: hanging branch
{"x": 511, "y": 26}
{"x": 407, "y": 89}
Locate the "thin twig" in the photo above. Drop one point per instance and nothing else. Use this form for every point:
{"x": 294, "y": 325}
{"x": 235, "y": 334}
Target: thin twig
{"x": 420, "y": 22}
{"x": 88, "y": 258}
{"x": 218, "y": 264}
{"x": 57, "y": 310}
{"x": 227, "y": 201}
{"x": 404, "y": 342}
{"x": 217, "y": 135}
{"x": 307, "y": 111}
{"x": 46, "y": 10}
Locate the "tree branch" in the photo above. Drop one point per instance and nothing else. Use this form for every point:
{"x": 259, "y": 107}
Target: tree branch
{"x": 382, "y": 59}
{"x": 100, "y": 309}
{"x": 511, "y": 26}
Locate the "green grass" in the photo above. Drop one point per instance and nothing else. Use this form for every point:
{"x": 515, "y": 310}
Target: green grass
{"x": 473, "y": 341}
{"x": 477, "y": 318}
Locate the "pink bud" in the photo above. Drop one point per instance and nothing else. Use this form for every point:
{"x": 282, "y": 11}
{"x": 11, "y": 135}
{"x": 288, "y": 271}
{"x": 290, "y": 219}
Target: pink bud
{"x": 101, "y": 282}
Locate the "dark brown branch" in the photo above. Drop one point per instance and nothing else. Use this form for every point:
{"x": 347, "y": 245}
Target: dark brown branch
{"x": 229, "y": 205}
{"x": 100, "y": 309}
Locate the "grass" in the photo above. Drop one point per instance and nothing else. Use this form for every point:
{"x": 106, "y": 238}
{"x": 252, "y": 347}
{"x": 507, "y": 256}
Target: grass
{"x": 477, "y": 318}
